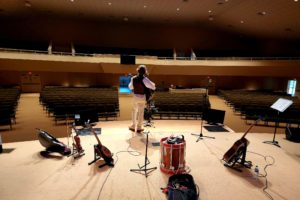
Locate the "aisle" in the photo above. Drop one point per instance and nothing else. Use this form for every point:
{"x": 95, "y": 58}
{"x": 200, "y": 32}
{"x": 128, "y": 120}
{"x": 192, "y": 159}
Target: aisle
{"x": 29, "y": 116}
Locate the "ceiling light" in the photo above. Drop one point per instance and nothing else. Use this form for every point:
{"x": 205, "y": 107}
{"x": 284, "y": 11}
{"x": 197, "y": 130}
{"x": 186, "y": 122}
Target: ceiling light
{"x": 27, "y": 4}
{"x": 242, "y": 21}
{"x": 125, "y": 19}
{"x": 72, "y": 0}
{"x": 109, "y": 3}
{"x": 262, "y": 13}
{"x": 210, "y": 18}
{"x": 178, "y": 9}
{"x": 295, "y": 0}
{"x": 145, "y": 6}
{"x": 209, "y": 11}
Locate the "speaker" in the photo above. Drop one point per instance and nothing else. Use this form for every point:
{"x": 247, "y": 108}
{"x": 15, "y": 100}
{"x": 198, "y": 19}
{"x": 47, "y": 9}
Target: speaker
{"x": 128, "y": 60}
{"x": 214, "y": 116}
{"x": 292, "y": 134}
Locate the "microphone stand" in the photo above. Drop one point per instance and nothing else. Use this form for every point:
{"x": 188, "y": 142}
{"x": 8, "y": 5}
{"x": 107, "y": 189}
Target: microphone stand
{"x": 144, "y": 169}
{"x": 201, "y": 136}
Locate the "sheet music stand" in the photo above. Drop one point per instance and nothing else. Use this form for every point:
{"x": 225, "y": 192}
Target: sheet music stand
{"x": 280, "y": 105}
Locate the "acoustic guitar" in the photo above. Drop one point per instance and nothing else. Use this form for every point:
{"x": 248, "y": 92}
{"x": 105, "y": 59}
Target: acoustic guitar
{"x": 238, "y": 145}
{"x": 101, "y": 150}
{"x": 76, "y": 142}
{"x": 149, "y": 94}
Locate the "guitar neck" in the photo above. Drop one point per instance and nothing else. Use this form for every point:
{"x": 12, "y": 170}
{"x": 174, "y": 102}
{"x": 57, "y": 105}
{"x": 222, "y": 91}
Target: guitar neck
{"x": 250, "y": 128}
{"x": 96, "y": 136}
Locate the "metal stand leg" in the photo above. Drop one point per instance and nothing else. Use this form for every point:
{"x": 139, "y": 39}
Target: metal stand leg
{"x": 144, "y": 169}
{"x": 274, "y": 142}
{"x": 201, "y": 136}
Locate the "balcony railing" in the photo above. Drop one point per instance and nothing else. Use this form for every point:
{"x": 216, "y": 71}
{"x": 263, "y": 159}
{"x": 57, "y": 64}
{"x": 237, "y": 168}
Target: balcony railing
{"x": 9, "y": 50}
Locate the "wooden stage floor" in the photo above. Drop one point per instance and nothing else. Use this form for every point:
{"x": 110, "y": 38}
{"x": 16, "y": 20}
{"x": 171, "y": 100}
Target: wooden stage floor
{"x": 26, "y": 175}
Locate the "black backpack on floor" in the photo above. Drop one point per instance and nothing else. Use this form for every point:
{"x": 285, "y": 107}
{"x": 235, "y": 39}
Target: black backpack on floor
{"x": 181, "y": 187}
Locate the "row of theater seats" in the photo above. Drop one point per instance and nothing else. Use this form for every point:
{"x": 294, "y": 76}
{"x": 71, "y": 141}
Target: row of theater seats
{"x": 253, "y": 104}
{"x": 180, "y": 105}
{"x": 65, "y": 102}
{"x": 8, "y": 105}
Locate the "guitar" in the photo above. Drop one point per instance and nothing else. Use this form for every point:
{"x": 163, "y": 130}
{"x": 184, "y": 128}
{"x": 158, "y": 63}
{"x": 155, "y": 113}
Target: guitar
{"x": 77, "y": 144}
{"x": 101, "y": 150}
{"x": 149, "y": 94}
{"x": 238, "y": 145}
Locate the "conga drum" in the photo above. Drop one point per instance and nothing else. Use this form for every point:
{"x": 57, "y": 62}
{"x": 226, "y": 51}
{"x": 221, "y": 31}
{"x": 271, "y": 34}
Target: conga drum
{"x": 172, "y": 159}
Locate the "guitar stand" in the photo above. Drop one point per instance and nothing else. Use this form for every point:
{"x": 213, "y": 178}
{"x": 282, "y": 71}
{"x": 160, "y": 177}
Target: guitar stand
{"x": 75, "y": 153}
{"x": 144, "y": 168}
{"x": 240, "y": 160}
{"x": 97, "y": 157}
{"x": 149, "y": 123}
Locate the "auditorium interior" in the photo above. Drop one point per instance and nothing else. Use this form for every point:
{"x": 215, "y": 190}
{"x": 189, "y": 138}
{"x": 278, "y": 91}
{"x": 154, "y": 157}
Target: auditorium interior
{"x": 226, "y": 108}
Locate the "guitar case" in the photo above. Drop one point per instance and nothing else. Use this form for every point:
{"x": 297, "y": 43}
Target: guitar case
{"x": 52, "y": 144}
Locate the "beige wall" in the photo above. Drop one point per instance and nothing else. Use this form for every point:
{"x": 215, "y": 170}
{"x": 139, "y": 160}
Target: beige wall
{"x": 163, "y": 81}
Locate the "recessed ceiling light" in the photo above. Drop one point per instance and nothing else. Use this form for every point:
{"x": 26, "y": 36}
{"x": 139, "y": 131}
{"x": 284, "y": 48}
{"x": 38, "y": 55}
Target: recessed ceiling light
{"x": 109, "y": 3}
{"x": 145, "y": 6}
{"x": 178, "y": 9}
{"x": 242, "y": 21}
{"x": 262, "y": 13}
{"x": 72, "y": 0}
{"x": 27, "y": 4}
{"x": 295, "y": 0}
{"x": 209, "y": 11}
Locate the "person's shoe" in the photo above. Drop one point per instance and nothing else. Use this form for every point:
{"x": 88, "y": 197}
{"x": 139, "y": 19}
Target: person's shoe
{"x": 139, "y": 130}
{"x": 132, "y": 128}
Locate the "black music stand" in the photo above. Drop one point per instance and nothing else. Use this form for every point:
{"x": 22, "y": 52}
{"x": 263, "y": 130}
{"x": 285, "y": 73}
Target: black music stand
{"x": 280, "y": 105}
{"x": 144, "y": 168}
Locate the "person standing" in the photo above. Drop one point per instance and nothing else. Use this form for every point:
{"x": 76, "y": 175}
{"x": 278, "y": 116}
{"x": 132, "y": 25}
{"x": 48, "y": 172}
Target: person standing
{"x": 140, "y": 84}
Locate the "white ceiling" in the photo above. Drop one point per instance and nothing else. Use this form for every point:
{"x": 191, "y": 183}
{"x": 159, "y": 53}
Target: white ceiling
{"x": 281, "y": 19}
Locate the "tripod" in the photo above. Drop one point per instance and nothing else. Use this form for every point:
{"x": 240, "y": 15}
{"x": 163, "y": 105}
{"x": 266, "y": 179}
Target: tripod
{"x": 144, "y": 169}
{"x": 201, "y": 136}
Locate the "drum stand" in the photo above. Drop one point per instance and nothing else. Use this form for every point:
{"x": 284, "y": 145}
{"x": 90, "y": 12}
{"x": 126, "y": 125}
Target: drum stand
{"x": 201, "y": 136}
{"x": 144, "y": 169}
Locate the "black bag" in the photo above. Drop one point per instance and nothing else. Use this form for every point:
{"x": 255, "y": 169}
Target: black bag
{"x": 182, "y": 187}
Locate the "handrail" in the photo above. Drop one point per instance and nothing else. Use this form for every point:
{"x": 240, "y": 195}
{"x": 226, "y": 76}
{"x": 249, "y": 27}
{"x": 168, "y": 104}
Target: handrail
{"x": 152, "y": 57}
